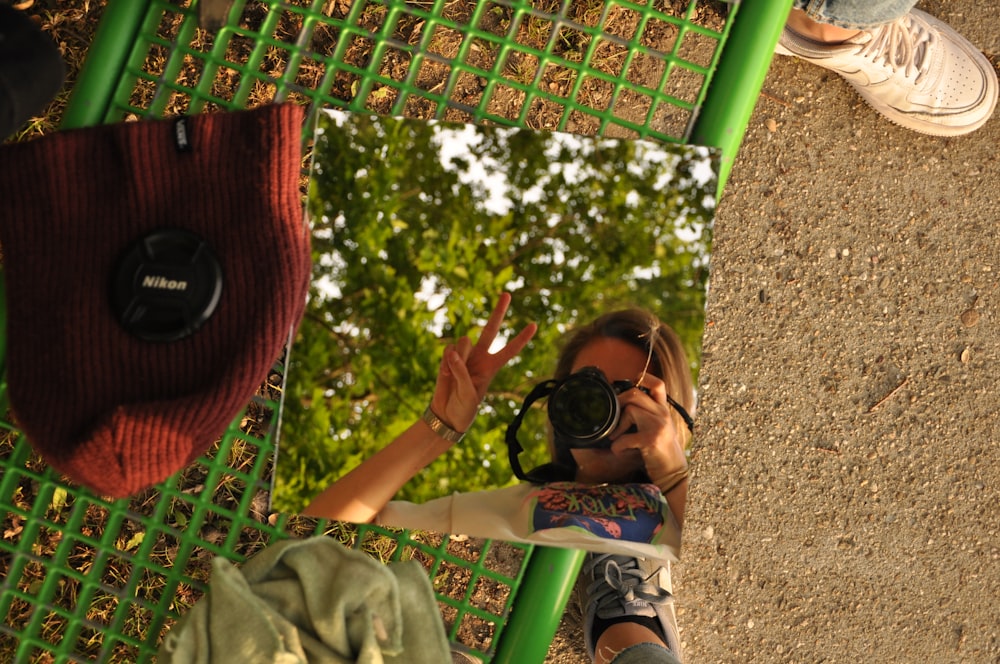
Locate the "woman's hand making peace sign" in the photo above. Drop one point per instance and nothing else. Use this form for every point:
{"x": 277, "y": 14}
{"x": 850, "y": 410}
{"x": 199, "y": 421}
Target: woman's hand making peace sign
{"x": 467, "y": 370}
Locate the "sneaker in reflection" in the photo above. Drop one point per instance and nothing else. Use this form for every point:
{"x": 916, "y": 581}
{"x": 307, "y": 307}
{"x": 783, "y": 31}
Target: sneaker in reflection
{"x": 621, "y": 587}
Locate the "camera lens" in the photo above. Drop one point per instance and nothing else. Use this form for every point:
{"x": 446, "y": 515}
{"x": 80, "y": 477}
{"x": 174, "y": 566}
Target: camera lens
{"x": 584, "y": 408}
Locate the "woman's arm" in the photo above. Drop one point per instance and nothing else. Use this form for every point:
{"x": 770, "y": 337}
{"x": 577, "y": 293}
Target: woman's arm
{"x": 677, "y": 500}
{"x": 658, "y": 439}
{"x": 463, "y": 378}
{"x": 363, "y": 492}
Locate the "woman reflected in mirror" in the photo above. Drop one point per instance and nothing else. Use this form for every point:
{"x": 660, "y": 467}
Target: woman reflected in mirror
{"x": 647, "y": 446}
{"x": 621, "y": 498}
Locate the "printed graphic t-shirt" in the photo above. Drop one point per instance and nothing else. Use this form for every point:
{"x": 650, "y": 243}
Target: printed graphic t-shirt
{"x": 627, "y": 519}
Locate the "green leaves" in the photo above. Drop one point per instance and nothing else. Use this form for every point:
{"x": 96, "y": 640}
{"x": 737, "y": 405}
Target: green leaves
{"x": 417, "y": 229}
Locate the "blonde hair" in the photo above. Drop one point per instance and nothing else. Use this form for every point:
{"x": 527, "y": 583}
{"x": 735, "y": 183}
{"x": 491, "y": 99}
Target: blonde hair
{"x": 642, "y": 329}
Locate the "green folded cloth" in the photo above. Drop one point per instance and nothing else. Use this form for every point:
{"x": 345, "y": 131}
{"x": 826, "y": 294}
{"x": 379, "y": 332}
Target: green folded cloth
{"x": 313, "y": 601}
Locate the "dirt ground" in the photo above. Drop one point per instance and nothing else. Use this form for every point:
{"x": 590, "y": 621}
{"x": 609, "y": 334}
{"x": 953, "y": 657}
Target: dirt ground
{"x": 846, "y": 488}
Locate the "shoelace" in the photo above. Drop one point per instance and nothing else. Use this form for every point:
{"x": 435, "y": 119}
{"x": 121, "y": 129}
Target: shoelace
{"x": 627, "y": 584}
{"x": 904, "y": 43}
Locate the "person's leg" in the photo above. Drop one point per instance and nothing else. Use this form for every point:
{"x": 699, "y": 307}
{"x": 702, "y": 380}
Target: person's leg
{"x": 615, "y": 643}
{"x": 645, "y": 653}
{"x": 914, "y": 69}
{"x": 853, "y": 14}
{"x": 800, "y": 22}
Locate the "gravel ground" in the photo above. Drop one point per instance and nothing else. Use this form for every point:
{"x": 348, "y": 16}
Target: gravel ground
{"x": 845, "y": 497}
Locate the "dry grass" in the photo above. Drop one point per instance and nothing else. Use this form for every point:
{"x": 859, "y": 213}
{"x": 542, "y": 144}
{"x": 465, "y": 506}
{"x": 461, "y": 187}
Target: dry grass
{"x": 71, "y": 25}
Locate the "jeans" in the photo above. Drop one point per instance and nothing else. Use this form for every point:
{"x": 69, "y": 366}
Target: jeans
{"x": 645, "y": 653}
{"x": 855, "y": 14}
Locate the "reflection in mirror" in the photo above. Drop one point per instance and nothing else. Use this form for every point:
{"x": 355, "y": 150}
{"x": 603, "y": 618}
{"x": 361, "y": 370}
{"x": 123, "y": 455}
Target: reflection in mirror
{"x": 418, "y": 230}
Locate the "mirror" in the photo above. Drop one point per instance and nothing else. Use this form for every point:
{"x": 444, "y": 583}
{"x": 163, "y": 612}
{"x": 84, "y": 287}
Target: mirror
{"x": 419, "y": 227}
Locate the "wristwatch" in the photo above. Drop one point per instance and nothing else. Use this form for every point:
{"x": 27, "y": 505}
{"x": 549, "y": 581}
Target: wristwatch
{"x": 438, "y": 426}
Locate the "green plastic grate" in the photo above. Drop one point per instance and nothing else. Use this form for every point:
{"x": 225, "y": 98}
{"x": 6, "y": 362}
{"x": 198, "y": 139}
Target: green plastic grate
{"x": 88, "y": 579}
{"x": 670, "y": 70}
{"x": 590, "y": 67}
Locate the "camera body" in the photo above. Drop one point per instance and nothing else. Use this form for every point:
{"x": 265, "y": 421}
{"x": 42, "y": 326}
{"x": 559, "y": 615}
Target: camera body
{"x": 583, "y": 408}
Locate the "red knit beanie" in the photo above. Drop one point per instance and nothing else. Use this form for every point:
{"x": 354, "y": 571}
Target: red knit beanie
{"x": 154, "y": 270}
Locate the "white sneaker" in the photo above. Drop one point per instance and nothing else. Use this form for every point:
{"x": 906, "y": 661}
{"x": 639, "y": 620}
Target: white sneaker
{"x": 619, "y": 586}
{"x": 917, "y": 71}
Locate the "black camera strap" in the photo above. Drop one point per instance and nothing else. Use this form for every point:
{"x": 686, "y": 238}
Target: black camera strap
{"x": 514, "y": 447}
{"x": 688, "y": 420}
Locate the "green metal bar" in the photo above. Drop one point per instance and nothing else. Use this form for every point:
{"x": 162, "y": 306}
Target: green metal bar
{"x": 302, "y": 41}
{"x": 175, "y": 63}
{"x": 18, "y": 556}
{"x": 539, "y": 605}
{"x": 256, "y": 57}
{"x": 78, "y": 512}
{"x": 93, "y": 91}
{"x": 734, "y": 89}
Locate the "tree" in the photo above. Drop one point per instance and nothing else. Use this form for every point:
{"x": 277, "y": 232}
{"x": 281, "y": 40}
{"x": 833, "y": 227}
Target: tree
{"x": 417, "y": 227}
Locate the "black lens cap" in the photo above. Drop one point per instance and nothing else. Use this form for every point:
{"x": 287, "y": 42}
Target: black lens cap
{"x": 166, "y": 285}
{"x": 583, "y": 408}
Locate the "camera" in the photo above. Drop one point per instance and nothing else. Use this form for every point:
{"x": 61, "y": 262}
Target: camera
{"x": 584, "y": 410}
